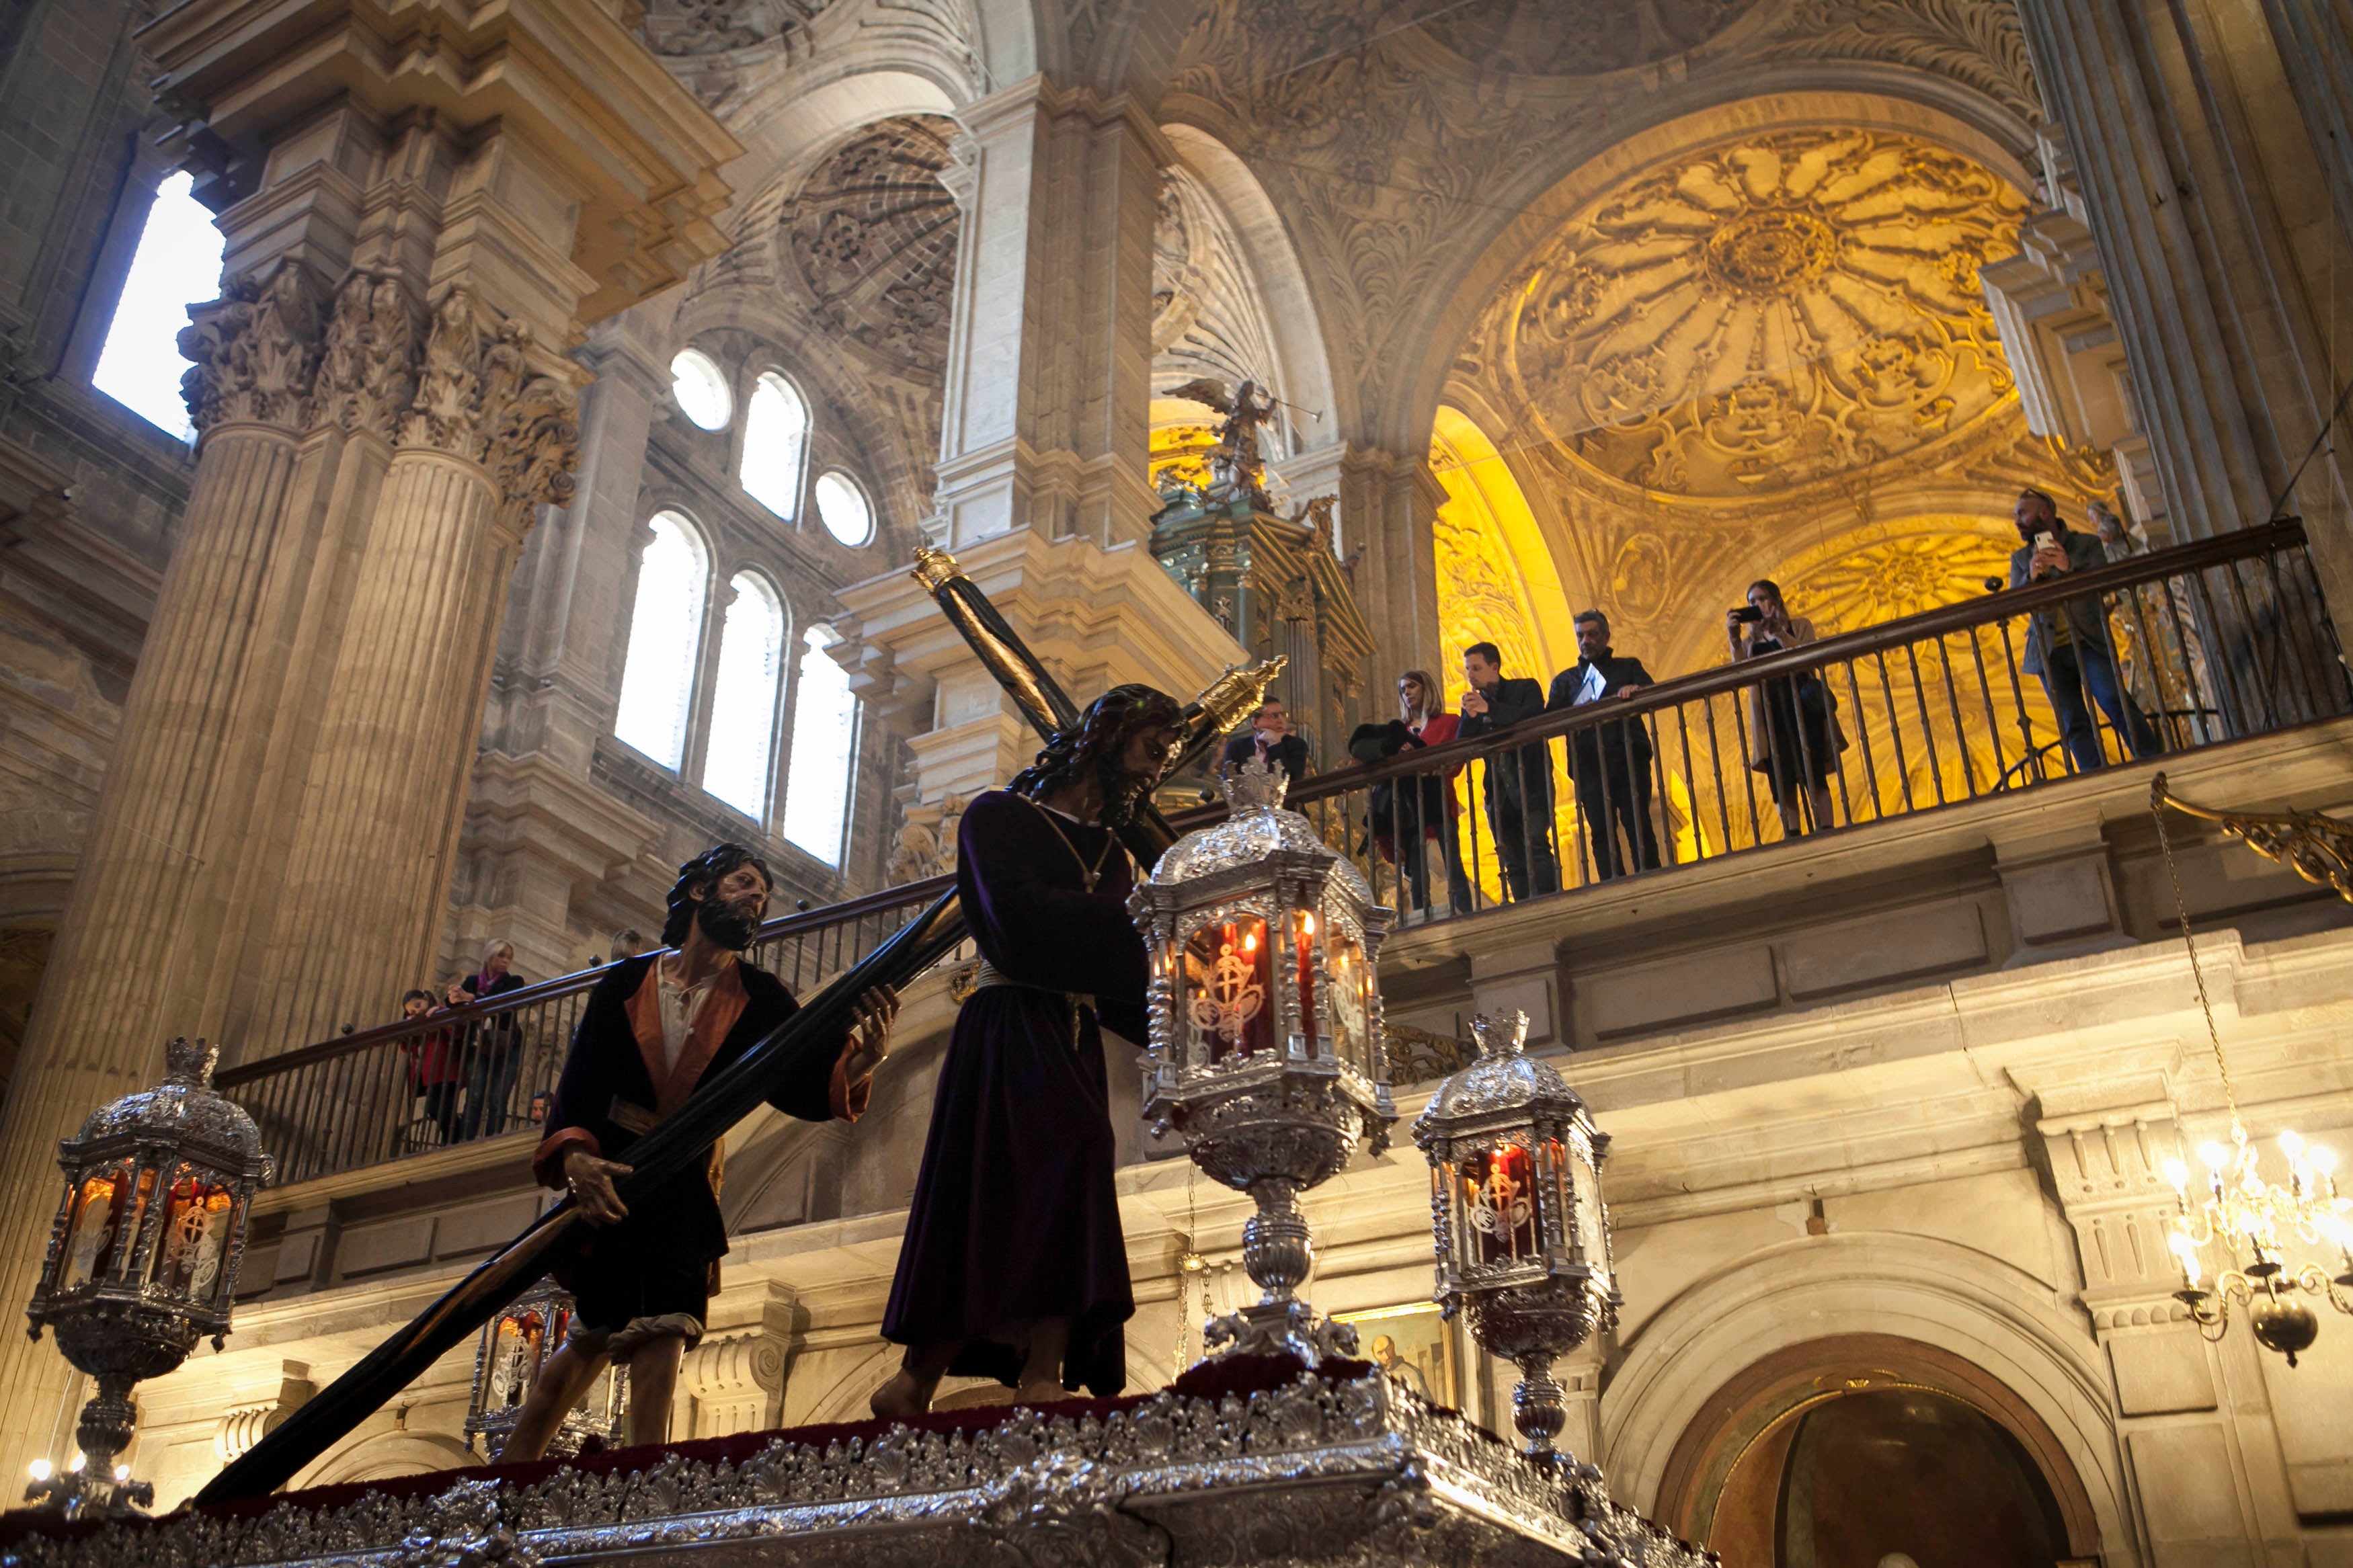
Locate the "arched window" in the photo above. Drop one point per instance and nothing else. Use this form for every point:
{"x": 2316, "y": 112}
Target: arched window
{"x": 825, "y": 734}
{"x": 841, "y": 507}
{"x": 735, "y": 767}
{"x": 178, "y": 262}
{"x": 665, "y": 633}
{"x": 776, "y": 436}
{"x": 700, "y": 390}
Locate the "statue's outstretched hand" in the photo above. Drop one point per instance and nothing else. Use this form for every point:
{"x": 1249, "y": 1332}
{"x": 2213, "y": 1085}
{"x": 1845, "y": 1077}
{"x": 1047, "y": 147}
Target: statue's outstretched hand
{"x": 870, "y": 1034}
{"x": 589, "y": 1180}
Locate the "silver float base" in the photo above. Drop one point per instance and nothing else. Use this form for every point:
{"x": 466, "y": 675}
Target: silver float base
{"x": 1356, "y": 1472}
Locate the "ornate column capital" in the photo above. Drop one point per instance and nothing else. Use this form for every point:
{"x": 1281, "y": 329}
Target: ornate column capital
{"x": 572, "y": 137}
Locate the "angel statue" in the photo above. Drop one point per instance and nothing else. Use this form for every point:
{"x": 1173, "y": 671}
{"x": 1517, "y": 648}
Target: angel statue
{"x": 1238, "y": 462}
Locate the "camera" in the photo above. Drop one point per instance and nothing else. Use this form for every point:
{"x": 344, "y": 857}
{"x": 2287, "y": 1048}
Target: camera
{"x": 1747, "y": 613}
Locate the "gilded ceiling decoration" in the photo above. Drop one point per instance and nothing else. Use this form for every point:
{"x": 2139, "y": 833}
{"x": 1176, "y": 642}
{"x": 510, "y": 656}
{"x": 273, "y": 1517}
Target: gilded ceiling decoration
{"x": 1767, "y": 313}
{"x": 873, "y": 236}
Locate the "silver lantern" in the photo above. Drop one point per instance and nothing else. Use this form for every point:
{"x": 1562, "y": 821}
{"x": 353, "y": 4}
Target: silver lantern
{"x": 1515, "y": 1202}
{"x": 1266, "y": 1051}
{"x": 142, "y": 1260}
{"x": 516, "y": 1345}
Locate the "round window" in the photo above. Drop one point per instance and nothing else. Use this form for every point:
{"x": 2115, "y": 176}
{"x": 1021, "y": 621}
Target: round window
{"x": 843, "y": 508}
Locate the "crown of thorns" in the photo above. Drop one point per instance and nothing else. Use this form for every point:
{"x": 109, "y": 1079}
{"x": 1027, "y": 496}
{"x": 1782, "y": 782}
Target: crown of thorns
{"x": 1101, "y": 731}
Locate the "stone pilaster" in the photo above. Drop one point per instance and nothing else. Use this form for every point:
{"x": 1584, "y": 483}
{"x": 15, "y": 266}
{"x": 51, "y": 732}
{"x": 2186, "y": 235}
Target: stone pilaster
{"x": 417, "y": 225}
{"x": 2194, "y": 170}
{"x": 1046, "y": 421}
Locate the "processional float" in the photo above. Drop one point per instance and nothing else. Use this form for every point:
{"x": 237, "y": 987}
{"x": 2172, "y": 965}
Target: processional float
{"x": 684, "y": 1139}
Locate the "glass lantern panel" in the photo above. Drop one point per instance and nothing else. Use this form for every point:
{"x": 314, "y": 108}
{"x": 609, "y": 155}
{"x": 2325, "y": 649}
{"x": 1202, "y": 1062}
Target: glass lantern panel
{"x": 196, "y": 1217}
{"x": 515, "y": 1355}
{"x": 1592, "y": 1241}
{"x": 1305, "y": 937}
{"x": 98, "y": 1218}
{"x": 1345, "y": 998}
{"x": 1502, "y": 1205}
{"x": 1228, "y": 981}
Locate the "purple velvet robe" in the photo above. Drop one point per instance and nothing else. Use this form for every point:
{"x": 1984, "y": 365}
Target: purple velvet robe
{"x": 1015, "y": 1216}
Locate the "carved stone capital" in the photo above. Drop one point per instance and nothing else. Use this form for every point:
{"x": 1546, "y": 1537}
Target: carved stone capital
{"x": 256, "y": 350}
{"x": 367, "y": 371}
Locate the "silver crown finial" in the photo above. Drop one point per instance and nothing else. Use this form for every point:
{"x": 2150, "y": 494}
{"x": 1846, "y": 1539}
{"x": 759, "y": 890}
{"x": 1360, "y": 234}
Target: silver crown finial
{"x": 1501, "y": 1034}
{"x": 190, "y": 1061}
{"x": 1255, "y": 786}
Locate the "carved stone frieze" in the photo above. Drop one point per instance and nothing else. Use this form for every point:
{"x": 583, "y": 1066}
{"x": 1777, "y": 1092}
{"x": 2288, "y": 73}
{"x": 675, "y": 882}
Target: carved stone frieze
{"x": 1354, "y": 1471}
{"x": 694, "y": 27}
{"x": 367, "y": 371}
{"x": 256, "y": 350}
{"x": 872, "y": 235}
{"x": 533, "y": 451}
{"x": 1976, "y": 42}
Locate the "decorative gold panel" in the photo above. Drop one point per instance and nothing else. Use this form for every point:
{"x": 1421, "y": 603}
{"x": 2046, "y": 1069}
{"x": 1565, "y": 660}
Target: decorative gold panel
{"x": 1768, "y": 313}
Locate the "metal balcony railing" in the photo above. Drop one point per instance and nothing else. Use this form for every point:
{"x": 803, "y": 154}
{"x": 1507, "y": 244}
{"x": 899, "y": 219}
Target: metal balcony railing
{"x": 2213, "y": 641}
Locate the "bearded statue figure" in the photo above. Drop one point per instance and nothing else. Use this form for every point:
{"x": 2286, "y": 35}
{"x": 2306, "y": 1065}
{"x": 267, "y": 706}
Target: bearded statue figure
{"x": 1014, "y": 1267}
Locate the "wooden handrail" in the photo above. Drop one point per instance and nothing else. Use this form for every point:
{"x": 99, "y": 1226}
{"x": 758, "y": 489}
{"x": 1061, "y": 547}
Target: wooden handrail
{"x": 2004, "y": 604}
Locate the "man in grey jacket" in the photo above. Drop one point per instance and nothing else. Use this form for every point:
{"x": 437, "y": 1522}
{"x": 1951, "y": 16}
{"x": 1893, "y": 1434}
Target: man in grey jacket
{"x": 2067, "y": 644}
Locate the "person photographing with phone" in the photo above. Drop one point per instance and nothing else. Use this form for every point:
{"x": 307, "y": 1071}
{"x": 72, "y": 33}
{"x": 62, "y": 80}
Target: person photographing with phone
{"x": 1794, "y": 737}
{"x": 2067, "y": 644}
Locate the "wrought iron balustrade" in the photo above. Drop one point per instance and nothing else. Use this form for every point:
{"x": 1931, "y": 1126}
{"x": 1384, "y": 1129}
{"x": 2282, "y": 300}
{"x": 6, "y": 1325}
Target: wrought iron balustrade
{"x": 2212, "y": 641}
{"x": 488, "y": 1068}
{"x": 2225, "y": 638}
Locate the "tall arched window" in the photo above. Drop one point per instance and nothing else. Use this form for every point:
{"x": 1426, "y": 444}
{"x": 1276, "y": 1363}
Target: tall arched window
{"x": 842, "y": 507}
{"x": 744, "y": 704}
{"x": 776, "y": 437}
{"x": 178, "y": 262}
{"x": 701, "y": 388}
{"x": 665, "y": 633}
{"x": 825, "y": 734}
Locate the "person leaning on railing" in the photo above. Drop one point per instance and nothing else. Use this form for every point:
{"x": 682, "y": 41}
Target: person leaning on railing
{"x": 1612, "y": 763}
{"x": 1406, "y": 815}
{"x": 2067, "y": 644}
{"x": 433, "y": 1071}
{"x": 496, "y": 1043}
{"x": 1794, "y": 737}
{"x": 1518, "y": 783}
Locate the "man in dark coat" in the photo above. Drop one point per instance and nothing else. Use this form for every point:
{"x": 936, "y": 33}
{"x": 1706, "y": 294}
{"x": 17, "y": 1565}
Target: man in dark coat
{"x": 2067, "y": 644}
{"x": 1014, "y": 1266}
{"x": 1518, "y": 783}
{"x": 653, "y": 1027}
{"x": 1270, "y": 739}
{"x": 1611, "y": 762}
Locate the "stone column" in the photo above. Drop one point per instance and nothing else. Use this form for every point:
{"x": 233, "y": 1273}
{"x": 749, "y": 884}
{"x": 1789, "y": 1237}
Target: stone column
{"x": 273, "y": 838}
{"x": 2182, "y": 129}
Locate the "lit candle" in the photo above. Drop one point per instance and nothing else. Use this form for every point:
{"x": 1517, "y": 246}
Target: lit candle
{"x": 1305, "y": 943}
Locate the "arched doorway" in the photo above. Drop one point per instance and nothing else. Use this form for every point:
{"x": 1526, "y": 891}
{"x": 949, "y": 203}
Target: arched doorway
{"x": 1871, "y": 1451}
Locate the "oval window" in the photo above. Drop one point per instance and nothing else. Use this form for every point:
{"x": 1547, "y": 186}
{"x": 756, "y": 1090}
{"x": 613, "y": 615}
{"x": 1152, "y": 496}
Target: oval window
{"x": 701, "y": 389}
{"x": 841, "y": 505}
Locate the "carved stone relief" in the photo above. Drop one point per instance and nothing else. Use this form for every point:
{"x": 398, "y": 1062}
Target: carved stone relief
{"x": 681, "y": 27}
{"x": 256, "y": 350}
{"x": 1975, "y": 42}
{"x": 1208, "y": 318}
{"x": 366, "y": 372}
{"x": 1764, "y": 313}
{"x": 872, "y": 235}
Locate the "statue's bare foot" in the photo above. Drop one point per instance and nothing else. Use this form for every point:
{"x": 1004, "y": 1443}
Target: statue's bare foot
{"x": 901, "y": 1399}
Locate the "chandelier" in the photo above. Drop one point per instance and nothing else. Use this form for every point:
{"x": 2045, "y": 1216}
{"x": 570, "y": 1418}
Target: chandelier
{"x": 2253, "y": 1217}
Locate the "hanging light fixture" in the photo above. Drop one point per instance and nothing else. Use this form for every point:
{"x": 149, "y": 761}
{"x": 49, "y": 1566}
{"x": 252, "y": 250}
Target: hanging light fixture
{"x": 515, "y": 1348}
{"x": 2253, "y": 1217}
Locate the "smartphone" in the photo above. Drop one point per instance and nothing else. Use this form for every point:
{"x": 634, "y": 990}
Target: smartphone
{"x": 1748, "y": 613}
{"x": 2045, "y": 541}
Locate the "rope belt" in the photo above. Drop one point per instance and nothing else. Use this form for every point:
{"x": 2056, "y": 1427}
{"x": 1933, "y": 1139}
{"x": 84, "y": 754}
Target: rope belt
{"x": 988, "y": 974}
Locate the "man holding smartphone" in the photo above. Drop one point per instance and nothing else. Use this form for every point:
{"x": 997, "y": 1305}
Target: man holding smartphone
{"x": 2067, "y": 644}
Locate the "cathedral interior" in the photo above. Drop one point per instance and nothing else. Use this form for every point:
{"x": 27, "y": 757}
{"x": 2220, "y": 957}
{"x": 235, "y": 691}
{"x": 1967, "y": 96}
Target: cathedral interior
{"x": 459, "y": 460}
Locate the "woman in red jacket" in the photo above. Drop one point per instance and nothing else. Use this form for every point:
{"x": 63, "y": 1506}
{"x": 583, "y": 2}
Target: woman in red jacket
{"x": 433, "y": 1070}
{"x": 1426, "y": 808}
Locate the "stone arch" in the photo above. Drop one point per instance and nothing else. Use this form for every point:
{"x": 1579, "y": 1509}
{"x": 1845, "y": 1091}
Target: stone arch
{"x": 1293, "y": 319}
{"x": 390, "y": 1454}
{"x": 1737, "y": 1413}
{"x": 1993, "y": 1326}
{"x": 1585, "y": 168}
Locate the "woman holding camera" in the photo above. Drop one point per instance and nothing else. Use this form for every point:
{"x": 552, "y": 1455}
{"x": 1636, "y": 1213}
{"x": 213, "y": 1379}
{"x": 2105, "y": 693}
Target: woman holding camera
{"x": 1794, "y": 737}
